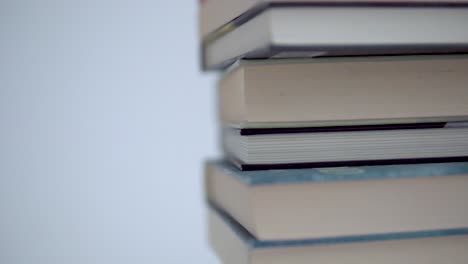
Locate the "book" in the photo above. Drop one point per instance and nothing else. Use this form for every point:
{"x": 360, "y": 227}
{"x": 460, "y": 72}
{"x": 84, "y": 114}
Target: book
{"x": 256, "y": 149}
{"x": 235, "y": 245}
{"x": 216, "y": 14}
{"x": 316, "y": 29}
{"x": 283, "y": 205}
{"x": 344, "y": 91}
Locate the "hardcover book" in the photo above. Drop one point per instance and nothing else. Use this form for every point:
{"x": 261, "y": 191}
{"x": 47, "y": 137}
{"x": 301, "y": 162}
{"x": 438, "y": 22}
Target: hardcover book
{"x": 344, "y": 91}
{"x": 216, "y": 14}
{"x": 343, "y": 201}
{"x": 235, "y": 245}
{"x": 317, "y": 29}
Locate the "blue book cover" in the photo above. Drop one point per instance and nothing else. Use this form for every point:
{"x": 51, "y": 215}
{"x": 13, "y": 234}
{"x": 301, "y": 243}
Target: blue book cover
{"x": 266, "y": 177}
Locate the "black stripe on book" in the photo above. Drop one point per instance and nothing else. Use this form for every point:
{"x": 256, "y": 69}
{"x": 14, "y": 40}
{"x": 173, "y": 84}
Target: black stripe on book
{"x": 252, "y": 167}
{"x": 350, "y": 51}
{"x": 266, "y": 131}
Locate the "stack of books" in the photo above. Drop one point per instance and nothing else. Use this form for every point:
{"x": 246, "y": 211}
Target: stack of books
{"x": 344, "y": 131}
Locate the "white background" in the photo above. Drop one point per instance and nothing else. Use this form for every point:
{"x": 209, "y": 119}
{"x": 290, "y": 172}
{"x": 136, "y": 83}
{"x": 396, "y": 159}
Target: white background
{"x": 105, "y": 120}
